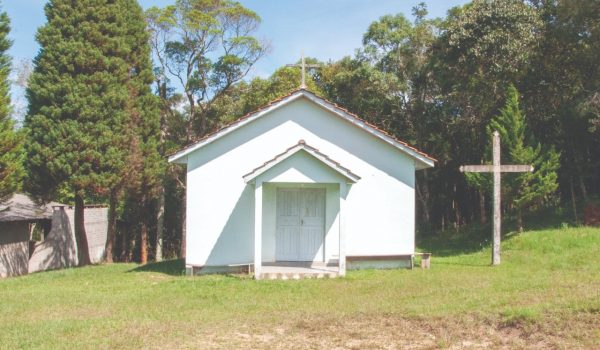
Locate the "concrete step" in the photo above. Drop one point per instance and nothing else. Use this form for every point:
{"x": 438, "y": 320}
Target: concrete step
{"x": 297, "y": 275}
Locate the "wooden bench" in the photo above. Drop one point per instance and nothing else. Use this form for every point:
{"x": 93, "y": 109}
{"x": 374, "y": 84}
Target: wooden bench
{"x": 425, "y": 260}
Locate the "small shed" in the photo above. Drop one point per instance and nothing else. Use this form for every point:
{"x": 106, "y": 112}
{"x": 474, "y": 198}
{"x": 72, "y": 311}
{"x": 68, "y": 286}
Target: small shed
{"x": 18, "y": 215}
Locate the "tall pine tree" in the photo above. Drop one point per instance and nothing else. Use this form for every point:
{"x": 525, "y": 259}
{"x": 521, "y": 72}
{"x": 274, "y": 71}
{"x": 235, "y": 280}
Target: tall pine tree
{"x": 147, "y": 165}
{"x": 10, "y": 140}
{"x": 82, "y": 96}
{"x": 526, "y": 190}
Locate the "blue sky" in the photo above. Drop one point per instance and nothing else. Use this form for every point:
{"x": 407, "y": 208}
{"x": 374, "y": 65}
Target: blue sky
{"x": 325, "y": 29}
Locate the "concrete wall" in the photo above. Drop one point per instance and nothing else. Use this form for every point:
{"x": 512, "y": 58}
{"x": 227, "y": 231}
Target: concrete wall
{"x": 220, "y": 208}
{"x": 14, "y": 248}
{"x": 96, "y": 228}
{"x": 58, "y": 250}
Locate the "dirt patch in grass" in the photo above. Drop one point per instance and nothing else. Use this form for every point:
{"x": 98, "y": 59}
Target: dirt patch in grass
{"x": 578, "y": 331}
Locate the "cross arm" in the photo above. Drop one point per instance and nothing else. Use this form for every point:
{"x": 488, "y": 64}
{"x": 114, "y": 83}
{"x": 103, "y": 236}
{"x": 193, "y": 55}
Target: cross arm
{"x": 306, "y": 65}
{"x": 491, "y": 168}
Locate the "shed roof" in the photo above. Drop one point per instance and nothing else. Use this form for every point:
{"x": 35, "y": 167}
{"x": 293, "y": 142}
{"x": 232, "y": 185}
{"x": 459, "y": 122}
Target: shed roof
{"x": 302, "y": 145}
{"x": 423, "y": 159}
{"x": 19, "y": 207}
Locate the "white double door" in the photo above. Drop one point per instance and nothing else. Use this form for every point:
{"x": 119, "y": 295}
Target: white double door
{"x": 300, "y": 224}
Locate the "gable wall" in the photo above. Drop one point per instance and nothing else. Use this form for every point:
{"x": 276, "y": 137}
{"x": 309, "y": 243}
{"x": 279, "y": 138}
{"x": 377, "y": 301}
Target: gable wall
{"x": 220, "y": 217}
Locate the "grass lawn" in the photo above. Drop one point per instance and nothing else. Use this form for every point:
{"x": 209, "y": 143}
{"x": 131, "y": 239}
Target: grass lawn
{"x": 546, "y": 294}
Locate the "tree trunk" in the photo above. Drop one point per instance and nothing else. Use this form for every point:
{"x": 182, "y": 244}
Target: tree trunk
{"x": 455, "y": 208}
{"x": 125, "y": 244}
{"x": 83, "y": 253}
{"x": 190, "y": 123}
{"x": 583, "y": 189}
{"x": 482, "y": 211}
{"x": 520, "y": 220}
{"x": 143, "y": 241}
{"x": 203, "y": 127}
{"x": 423, "y": 201}
{"x": 573, "y": 200}
{"x": 443, "y": 222}
{"x": 111, "y": 233}
{"x": 423, "y": 193}
{"x": 160, "y": 221}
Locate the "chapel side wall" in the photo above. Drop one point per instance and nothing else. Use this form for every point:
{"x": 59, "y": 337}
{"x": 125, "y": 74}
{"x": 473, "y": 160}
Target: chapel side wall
{"x": 220, "y": 221}
{"x": 14, "y": 248}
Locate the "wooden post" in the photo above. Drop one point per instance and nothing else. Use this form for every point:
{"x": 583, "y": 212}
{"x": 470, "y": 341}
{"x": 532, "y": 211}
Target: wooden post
{"x": 497, "y": 207}
{"x": 342, "y": 234}
{"x": 258, "y": 192}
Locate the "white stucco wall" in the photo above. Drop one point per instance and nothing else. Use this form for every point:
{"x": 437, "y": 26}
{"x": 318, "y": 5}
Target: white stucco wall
{"x": 220, "y": 208}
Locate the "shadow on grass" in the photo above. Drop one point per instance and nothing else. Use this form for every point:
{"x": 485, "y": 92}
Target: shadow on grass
{"x": 174, "y": 267}
{"x": 467, "y": 239}
{"x": 476, "y": 237}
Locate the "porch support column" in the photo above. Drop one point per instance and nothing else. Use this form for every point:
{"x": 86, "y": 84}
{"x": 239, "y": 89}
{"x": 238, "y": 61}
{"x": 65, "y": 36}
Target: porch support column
{"x": 342, "y": 243}
{"x": 258, "y": 192}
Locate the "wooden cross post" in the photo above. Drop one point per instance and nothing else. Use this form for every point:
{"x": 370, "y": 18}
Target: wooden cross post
{"x": 497, "y": 169}
{"x": 303, "y": 65}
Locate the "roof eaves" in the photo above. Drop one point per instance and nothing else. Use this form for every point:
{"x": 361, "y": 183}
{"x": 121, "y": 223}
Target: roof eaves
{"x": 382, "y": 134}
{"x": 423, "y": 157}
{"x": 173, "y": 157}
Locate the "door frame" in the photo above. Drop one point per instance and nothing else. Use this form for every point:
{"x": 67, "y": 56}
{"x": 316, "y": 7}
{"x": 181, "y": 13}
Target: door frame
{"x": 322, "y": 256}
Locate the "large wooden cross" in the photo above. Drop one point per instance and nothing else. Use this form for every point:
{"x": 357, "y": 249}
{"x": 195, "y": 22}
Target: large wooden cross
{"x": 497, "y": 169}
{"x": 303, "y": 65}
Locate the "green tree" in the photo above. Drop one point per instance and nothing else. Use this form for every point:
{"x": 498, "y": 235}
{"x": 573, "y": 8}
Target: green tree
{"x": 484, "y": 46}
{"x": 561, "y": 92}
{"x": 206, "y": 46}
{"x": 527, "y": 190}
{"x": 10, "y": 139}
{"x": 80, "y": 96}
{"x": 245, "y": 97}
{"x": 145, "y": 165}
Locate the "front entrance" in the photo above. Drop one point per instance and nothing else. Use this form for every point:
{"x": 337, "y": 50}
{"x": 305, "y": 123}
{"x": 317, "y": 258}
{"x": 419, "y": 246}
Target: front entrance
{"x": 300, "y": 224}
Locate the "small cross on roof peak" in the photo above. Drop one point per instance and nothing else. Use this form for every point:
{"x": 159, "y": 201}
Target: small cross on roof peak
{"x": 303, "y": 67}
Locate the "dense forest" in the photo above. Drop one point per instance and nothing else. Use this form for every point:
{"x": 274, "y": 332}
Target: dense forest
{"x": 109, "y": 101}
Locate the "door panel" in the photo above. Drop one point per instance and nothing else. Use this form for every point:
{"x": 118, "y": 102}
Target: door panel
{"x": 288, "y": 224}
{"x": 300, "y": 224}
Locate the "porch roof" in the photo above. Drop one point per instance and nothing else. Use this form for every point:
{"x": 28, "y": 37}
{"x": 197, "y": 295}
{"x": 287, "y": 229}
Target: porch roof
{"x": 302, "y": 145}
